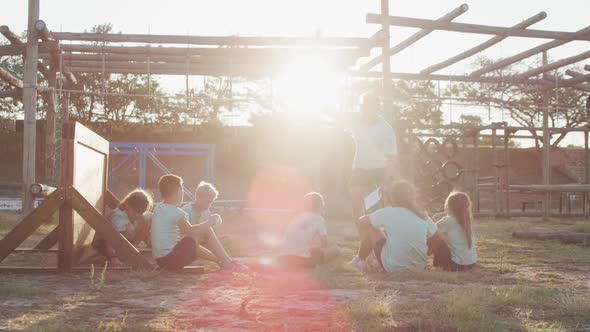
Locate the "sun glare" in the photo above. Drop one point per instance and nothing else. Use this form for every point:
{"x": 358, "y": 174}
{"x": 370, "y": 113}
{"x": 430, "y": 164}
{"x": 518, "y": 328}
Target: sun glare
{"x": 306, "y": 90}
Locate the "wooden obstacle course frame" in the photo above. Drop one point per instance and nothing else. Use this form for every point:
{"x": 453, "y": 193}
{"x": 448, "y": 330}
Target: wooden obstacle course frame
{"x": 68, "y": 200}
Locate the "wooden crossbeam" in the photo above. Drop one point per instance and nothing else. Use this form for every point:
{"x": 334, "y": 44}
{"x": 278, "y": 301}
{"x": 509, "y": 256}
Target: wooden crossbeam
{"x": 528, "y": 53}
{"x": 10, "y": 79}
{"x": 203, "y": 71}
{"x": 211, "y": 40}
{"x": 555, "y": 65}
{"x": 14, "y": 93}
{"x": 410, "y": 22}
{"x": 184, "y": 51}
{"x": 414, "y": 38}
{"x": 30, "y": 223}
{"x": 20, "y": 49}
{"x": 483, "y": 46}
{"x": 451, "y": 78}
{"x": 123, "y": 248}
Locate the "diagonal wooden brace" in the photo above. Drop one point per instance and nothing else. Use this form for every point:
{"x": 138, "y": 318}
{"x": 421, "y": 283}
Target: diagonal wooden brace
{"x": 31, "y": 222}
{"x": 123, "y": 248}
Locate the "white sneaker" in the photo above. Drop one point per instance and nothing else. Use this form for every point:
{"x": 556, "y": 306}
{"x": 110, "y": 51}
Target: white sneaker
{"x": 359, "y": 264}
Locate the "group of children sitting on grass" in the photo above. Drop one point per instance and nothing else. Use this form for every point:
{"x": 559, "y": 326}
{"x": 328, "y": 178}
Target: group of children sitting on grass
{"x": 397, "y": 237}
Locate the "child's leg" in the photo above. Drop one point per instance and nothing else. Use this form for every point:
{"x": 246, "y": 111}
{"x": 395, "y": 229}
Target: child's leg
{"x": 204, "y": 253}
{"x": 206, "y": 234}
{"x": 369, "y": 237}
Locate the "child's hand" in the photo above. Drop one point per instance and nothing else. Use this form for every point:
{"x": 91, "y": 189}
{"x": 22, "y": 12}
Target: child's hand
{"x": 215, "y": 220}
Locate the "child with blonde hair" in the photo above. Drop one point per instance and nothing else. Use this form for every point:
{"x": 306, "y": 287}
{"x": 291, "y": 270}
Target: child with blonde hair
{"x": 200, "y": 210}
{"x": 306, "y": 237}
{"x": 458, "y": 252}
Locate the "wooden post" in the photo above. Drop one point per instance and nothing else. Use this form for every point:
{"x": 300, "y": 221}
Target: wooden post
{"x": 495, "y": 166}
{"x": 476, "y": 169}
{"x": 507, "y": 171}
{"x": 386, "y": 67}
{"x": 30, "y": 106}
{"x": 586, "y": 202}
{"x": 50, "y": 126}
{"x": 546, "y": 149}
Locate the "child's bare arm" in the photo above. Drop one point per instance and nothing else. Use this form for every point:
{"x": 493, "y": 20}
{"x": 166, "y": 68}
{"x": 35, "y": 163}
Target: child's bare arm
{"x": 187, "y": 229}
{"x": 438, "y": 216}
{"x": 141, "y": 233}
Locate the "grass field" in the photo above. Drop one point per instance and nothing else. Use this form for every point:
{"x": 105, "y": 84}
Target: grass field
{"x": 520, "y": 285}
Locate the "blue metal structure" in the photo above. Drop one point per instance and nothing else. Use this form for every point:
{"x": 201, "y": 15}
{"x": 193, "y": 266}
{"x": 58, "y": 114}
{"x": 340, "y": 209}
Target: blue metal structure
{"x": 140, "y": 152}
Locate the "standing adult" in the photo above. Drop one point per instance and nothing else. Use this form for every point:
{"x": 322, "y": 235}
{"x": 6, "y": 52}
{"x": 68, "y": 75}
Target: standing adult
{"x": 375, "y": 157}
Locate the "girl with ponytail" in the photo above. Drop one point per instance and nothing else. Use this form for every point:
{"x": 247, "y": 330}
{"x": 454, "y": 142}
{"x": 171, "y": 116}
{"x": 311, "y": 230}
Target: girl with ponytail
{"x": 459, "y": 252}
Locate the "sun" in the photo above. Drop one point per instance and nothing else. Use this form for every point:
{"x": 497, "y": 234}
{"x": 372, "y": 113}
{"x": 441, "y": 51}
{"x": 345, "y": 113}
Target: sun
{"x": 306, "y": 90}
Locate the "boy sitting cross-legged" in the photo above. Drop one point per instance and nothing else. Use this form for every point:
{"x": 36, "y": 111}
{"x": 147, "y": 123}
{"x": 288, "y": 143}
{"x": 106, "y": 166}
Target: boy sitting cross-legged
{"x": 175, "y": 242}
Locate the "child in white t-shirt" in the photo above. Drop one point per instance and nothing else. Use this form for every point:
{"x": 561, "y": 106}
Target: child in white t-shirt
{"x": 200, "y": 210}
{"x": 398, "y": 234}
{"x": 459, "y": 250}
{"x": 306, "y": 237}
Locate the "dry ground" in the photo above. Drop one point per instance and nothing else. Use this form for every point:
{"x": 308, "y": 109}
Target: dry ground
{"x": 519, "y": 285}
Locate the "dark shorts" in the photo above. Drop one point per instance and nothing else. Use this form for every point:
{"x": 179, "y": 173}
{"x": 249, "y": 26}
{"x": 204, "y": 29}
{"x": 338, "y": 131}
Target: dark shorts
{"x": 291, "y": 261}
{"x": 183, "y": 253}
{"x": 377, "y": 249}
{"x": 368, "y": 177}
{"x": 442, "y": 259}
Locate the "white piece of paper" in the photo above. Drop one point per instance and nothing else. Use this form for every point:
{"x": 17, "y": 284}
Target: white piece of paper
{"x": 373, "y": 198}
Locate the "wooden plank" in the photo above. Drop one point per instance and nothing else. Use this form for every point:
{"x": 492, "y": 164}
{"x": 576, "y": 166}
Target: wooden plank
{"x": 49, "y": 240}
{"x": 30, "y": 107}
{"x": 210, "y": 40}
{"x": 483, "y": 46}
{"x": 30, "y": 223}
{"x": 410, "y": 22}
{"x": 66, "y": 214}
{"x": 528, "y": 53}
{"x": 552, "y": 187}
{"x": 412, "y": 39}
{"x": 10, "y": 79}
{"x": 124, "y": 250}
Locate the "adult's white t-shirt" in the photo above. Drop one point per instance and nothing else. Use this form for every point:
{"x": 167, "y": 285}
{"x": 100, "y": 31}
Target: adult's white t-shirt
{"x": 301, "y": 232}
{"x": 406, "y": 234}
{"x": 373, "y": 144}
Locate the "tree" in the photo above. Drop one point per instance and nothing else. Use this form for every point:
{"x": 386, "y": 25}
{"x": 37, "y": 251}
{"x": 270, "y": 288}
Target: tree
{"x": 524, "y": 103}
{"x": 117, "y": 98}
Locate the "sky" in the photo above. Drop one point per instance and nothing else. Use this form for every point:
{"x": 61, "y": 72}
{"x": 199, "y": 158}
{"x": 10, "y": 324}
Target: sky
{"x": 305, "y": 17}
